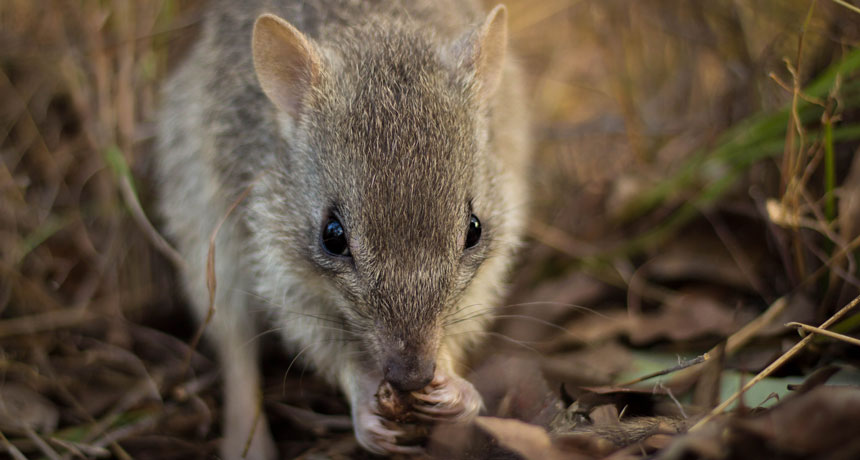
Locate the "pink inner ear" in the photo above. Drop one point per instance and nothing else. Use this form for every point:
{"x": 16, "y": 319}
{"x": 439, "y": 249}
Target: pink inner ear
{"x": 286, "y": 63}
{"x": 491, "y": 48}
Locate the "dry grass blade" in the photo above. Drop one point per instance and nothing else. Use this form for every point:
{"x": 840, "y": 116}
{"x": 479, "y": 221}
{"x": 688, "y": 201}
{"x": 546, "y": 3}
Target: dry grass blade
{"x": 44, "y": 322}
{"x": 774, "y": 366}
{"x": 818, "y": 330}
{"x": 146, "y": 226}
{"x": 82, "y": 450}
{"x": 112, "y": 438}
{"x": 833, "y": 261}
{"x": 140, "y": 392}
{"x": 662, "y": 107}
{"x": 736, "y": 341}
{"x": 43, "y": 446}
{"x": 684, "y": 365}
{"x": 211, "y": 281}
{"x": 847, "y": 5}
{"x": 258, "y": 414}
{"x": 11, "y": 449}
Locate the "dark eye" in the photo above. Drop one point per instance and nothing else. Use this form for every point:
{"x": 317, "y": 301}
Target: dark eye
{"x": 334, "y": 238}
{"x": 473, "y": 234}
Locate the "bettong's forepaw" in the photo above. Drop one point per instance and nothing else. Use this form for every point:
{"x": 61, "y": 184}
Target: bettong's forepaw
{"x": 393, "y": 424}
{"x": 447, "y": 399}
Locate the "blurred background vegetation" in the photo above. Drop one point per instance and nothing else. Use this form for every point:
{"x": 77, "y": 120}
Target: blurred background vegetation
{"x": 695, "y": 162}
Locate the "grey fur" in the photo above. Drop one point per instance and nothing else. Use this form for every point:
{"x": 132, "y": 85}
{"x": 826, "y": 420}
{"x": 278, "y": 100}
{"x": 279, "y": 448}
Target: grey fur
{"x": 397, "y": 138}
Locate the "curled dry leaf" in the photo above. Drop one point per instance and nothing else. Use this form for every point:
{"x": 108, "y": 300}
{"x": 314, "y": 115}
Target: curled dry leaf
{"x": 396, "y": 406}
{"x": 530, "y": 441}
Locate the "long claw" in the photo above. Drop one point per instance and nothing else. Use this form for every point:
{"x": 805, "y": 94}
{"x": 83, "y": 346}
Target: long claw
{"x": 439, "y": 411}
{"x": 430, "y": 398}
{"x": 385, "y": 433}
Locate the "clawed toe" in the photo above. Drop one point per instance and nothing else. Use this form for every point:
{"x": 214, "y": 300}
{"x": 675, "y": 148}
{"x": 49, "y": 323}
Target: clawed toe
{"x": 431, "y": 398}
{"x": 439, "y": 411}
{"x": 447, "y": 399}
{"x": 381, "y": 432}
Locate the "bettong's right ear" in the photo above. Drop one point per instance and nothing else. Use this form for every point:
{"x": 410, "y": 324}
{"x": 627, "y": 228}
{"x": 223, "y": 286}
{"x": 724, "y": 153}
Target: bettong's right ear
{"x": 287, "y": 64}
{"x": 482, "y": 50}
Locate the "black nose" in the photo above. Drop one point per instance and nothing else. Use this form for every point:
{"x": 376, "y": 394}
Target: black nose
{"x": 409, "y": 374}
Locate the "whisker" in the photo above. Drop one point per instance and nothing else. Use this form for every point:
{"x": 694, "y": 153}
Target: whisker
{"x": 462, "y": 365}
{"x": 540, "y": 321}
{"x": 521, "y": 343}
{"x": 284, "y": 383}
{"x": 460, "y": 310}
{"x": 283, "y": 308}
{"x": 571, "y": 306}
{"x": 263, "y": 333}
{"x": 470, "y": 317}
{"x": 280, "y": 328}
{"x": 490, "y": 310}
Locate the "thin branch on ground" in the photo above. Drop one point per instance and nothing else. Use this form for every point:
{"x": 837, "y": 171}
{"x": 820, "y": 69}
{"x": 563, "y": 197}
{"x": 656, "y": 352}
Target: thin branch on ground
{"x": 818, "y": 330}
{"x": 774, "y": 365}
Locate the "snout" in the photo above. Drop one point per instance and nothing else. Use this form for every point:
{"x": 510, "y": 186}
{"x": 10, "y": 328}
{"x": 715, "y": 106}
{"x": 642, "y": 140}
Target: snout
{"x": 408, "y": 374}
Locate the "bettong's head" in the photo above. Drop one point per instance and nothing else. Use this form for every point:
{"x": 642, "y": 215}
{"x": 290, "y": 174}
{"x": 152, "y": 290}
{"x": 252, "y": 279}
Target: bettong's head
{"x": 388, "y": 190}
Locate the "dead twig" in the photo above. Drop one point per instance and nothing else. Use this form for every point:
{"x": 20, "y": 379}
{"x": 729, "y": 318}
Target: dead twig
{"x": 774, "y": 365}
{"x": 140, "y": 392}
{"x": 258, "y": 412}
{"x": 736, "y": 341}
{"x": 111, "y": 438}
{"x": 13, "y": 451}
{"x": 44, "y": 322}
{"x": 142, "y": 221}
{"x": 193, "y": 387}
{"x": 43, "y": 446}
{"x": 80, "y": 449}
{"x": 682, "y": 365}
{"x": 818, "y": 330}
{"x": 812, "y": 100}
{"x": 847, "y": 5}
{"x": 211, "y": 281}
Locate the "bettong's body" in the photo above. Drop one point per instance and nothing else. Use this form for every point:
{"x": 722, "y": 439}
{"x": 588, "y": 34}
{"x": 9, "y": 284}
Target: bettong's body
{"x": 384, "y": 147}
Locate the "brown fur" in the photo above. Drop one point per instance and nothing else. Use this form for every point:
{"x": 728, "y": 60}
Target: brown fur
{"x": 405, "y": 118}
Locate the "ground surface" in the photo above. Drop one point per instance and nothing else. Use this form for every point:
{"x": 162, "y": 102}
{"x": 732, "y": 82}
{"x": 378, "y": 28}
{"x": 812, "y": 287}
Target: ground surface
{"x": 696, "y": 188}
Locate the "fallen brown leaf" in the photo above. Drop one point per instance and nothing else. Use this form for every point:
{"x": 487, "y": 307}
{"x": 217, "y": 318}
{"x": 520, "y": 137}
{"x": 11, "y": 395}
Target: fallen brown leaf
{"x": 685, "y": 317}
{"x": 530, "y": 441}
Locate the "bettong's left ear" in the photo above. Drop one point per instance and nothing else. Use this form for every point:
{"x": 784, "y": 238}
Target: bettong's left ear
{"x": 482, "y": 51}
{"x": 490, "y": 49}
{"x": 287, "y": 63}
